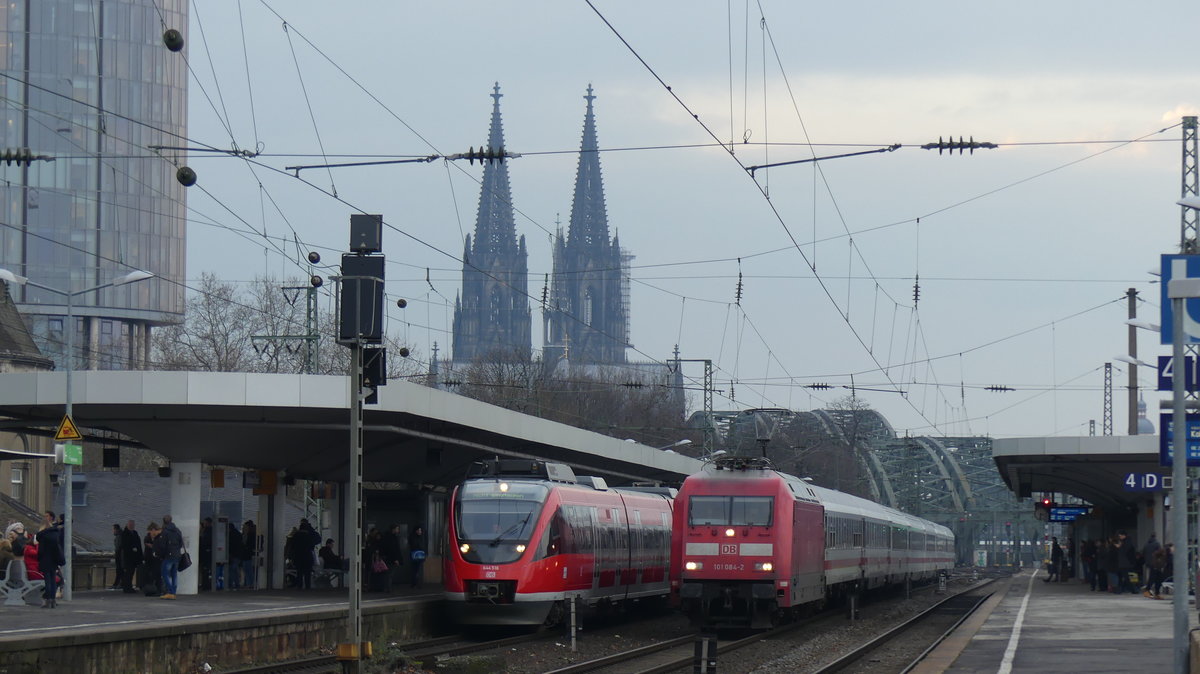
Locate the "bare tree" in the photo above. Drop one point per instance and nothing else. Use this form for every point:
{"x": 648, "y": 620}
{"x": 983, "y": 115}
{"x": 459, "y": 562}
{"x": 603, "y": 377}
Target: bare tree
{"x": 215, "y": 334}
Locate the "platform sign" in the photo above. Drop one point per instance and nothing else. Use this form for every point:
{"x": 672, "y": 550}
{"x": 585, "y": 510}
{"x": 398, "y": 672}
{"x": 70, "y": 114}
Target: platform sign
{"x": 1166, "y": 373}
{"x": 72, "y": 454}
{"x": 1143, "y": 482}
{"x": 1179, "y": 266}
{"x": 1068, "y": 513}
{"x": 1166, "y": 438}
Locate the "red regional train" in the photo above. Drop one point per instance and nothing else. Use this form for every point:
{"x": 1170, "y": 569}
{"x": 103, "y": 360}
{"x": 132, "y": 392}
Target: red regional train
{"x": 752, "y": 546}
{"x": 526, "y": 537}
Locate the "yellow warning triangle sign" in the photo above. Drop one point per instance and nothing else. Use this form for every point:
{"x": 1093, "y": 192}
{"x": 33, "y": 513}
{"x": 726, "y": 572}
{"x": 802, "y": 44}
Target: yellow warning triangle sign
{"x": 67, "y": 430}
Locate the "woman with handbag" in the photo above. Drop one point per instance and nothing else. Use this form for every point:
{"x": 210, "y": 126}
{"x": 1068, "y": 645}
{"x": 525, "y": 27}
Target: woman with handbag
{"x": 380, "y": 573}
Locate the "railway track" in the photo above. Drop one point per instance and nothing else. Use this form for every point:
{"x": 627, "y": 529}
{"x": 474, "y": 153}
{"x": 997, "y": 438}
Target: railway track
{"x": 426, "y": 650}
{"x": 679, "y": 654}
{"x": 904, "y": 646}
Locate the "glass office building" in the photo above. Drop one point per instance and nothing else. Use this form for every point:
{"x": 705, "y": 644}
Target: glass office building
{"x": 90, "y": 85}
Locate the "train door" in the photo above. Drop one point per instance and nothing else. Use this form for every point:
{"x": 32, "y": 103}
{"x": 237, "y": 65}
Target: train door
{"x": 637, "y": 550}
{"x": 597, "y": 551}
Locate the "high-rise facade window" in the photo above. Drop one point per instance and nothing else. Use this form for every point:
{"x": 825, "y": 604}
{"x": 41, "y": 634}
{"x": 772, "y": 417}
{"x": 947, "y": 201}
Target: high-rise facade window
{"x": 92, "y": 85}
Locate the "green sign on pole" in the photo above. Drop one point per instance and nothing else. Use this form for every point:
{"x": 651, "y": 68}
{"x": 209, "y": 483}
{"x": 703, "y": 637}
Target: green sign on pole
{"x": 73, "y": 454}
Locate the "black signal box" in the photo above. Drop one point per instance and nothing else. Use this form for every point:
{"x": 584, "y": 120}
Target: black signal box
{"x": 366, "y": 233}
{"x": 361, "y": 313}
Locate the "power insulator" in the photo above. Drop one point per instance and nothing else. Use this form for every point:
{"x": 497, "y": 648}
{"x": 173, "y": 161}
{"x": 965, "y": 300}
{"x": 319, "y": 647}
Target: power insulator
{"x": 19, "y": 156}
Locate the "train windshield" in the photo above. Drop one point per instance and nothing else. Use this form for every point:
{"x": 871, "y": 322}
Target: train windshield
{"x": 752, "y": 511}
{"x": 494, "y": 520}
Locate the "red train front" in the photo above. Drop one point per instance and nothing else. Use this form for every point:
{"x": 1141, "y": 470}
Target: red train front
{"x": 528, "y": 536}
{"x": 752, "y": 546}
{"x": 746, "y": 545}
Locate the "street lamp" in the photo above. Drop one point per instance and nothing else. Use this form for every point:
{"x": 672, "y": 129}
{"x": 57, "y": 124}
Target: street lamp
{"x": 69, "y": 365}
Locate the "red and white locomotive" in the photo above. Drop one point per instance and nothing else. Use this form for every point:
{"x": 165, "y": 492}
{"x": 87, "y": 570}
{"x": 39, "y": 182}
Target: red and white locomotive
{"x": 751, "y": 546}
{"x": 528, "y": 536}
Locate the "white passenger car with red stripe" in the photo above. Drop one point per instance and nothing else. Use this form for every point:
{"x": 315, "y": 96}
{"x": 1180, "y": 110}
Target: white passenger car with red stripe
{"x": 526, "y": 537}
{"x": 751, "y": 546}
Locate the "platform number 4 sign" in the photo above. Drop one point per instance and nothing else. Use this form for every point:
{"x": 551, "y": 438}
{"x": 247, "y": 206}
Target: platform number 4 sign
{"x": 1143, "y": 482}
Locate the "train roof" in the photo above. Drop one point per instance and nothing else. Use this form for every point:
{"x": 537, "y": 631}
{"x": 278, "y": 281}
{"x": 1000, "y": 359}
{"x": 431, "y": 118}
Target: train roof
{"x": 832, "y": 499}
{"x": 558, "y": 473}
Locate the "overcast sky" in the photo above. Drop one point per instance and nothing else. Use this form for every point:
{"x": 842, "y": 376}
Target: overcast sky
{"x": 1024, "y": 252}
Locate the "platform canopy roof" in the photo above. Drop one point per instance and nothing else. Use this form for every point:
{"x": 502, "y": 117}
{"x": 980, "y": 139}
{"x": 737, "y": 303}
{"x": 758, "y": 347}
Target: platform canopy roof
{"x": 300, "y": 424}
{"x": 1092, "y": 468}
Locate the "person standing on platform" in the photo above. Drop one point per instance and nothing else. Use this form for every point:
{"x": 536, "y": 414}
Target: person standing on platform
{"x": 389, "y": 549}
{"x": 50, "y": 557}
{"x": 1126, "y": 563}
{"x": 131, "y": 555}
{"x": 1101, "y": 565}
{"x": 1087, "y": 556}
{"x": 249, "y": 554}
{"x": 150, "y": 574}
{"x": 1056, "y": 555}
{"x": 304, "y": 544}
{"x": 169, "y": 546}
{"x": 416, "y": 550}
{"x": 233, "y": 544}
{"x": 117, "y": 562}
{"x": 1152, "y": 546}
{"x": 206, "y": 534}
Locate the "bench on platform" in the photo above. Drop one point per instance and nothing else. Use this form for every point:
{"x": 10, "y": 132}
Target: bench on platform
{"x": 323, "y": 577}
{"x": 17, "y": 586}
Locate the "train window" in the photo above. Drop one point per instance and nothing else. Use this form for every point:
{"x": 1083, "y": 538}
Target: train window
{"x": 753, "y": 511}
{"x": 708, "y": 510}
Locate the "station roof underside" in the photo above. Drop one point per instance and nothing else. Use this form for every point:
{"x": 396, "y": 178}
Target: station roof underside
{"x": 300, "y": 424}
{"x": 1091, "y": 467}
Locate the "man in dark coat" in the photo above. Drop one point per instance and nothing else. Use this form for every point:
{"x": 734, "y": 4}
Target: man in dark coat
{"x": 1126, "y": 563}
{"x": 416, "y": 550}
{"x": 303, "y": 544}
{"x": 131, "y": 555}
{"x": 1056, "y": 557}
{"x": 1152, "y": 546}
{"x": 50, "y": 557}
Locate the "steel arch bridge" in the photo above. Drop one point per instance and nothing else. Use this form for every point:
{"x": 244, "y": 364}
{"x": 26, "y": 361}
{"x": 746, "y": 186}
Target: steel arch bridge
{"x": 949, "y": 480}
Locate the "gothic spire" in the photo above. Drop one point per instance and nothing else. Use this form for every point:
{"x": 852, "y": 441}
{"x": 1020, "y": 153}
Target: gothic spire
{"x": 589, "y": 219}
{"x": 495, "y": 230}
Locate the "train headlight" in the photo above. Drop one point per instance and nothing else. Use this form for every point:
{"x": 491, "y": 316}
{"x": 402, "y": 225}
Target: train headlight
{"x": 503, "y": 486}
{"x": 764, "y": 566}
{"x": 693, "y": 566}
{"x": 520, "y": 547}
{"x": 464, "y": 548}
{"x": 730, "y": 532}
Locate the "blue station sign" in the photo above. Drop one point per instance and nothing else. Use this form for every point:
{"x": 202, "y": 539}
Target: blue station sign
{"x": 1143, "y": 482}
{"x": 1179, "y": 266}
{"x": 1166, "y": 373}
{"x": 1068, "y": 513}
{"x": 1167, "y": 436}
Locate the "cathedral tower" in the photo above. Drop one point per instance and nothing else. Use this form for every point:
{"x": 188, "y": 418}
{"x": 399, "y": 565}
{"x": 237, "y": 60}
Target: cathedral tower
{"x": 588, "y": 317}
{"x": 491, "y": 318}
